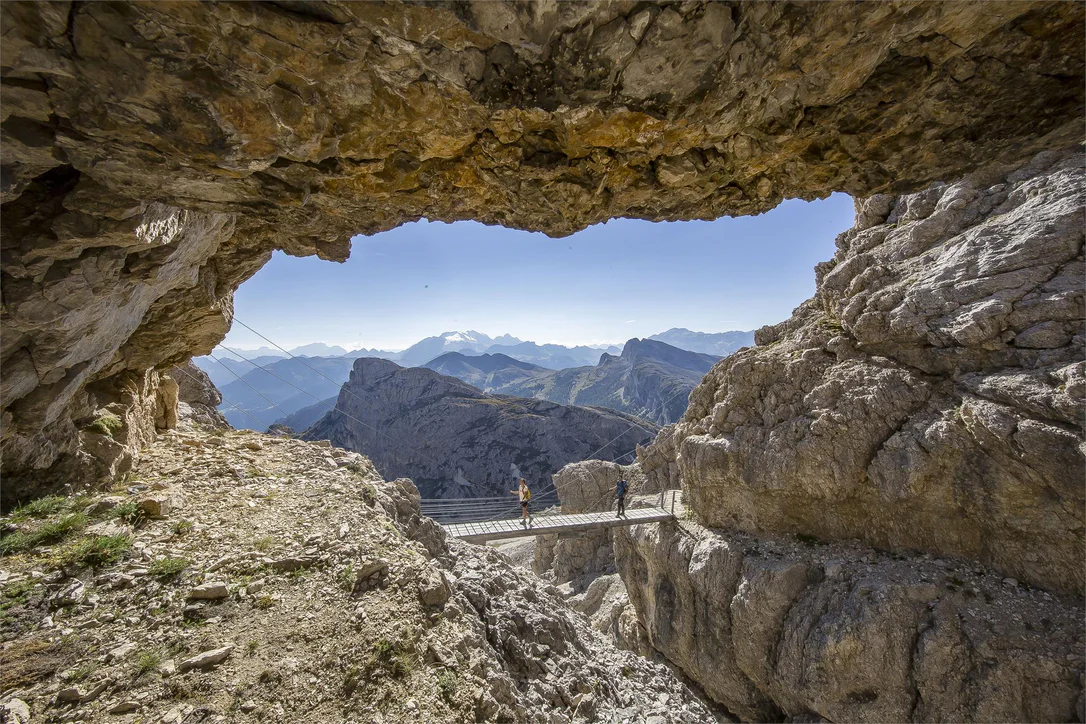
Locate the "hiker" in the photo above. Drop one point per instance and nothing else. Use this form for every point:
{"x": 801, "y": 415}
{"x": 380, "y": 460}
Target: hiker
{"x": 620, "y": 493}
{"x": 525, "y": 497}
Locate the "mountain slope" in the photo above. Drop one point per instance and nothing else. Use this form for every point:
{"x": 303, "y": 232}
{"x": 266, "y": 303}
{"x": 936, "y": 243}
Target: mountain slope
{"x": 485, "y": 371}
{"x": 455, "y": 440}
{"x": 303, "y": 419}
{"x": 551, "y": 356}
{"x": 427, "y": 349}
{"x": 249, "y": 392}
{"x": 649, "y": 379}
{"x": 720, "y": 344}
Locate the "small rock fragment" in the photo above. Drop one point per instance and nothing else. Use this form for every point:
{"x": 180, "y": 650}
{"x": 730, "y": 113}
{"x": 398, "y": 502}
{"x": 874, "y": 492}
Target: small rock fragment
{"x": 16, "y": 711}
{"x": 121, "y": 652}
{"x": 70, "y": 595}
{"x": 209, "y": 591}
{"x": 207, "y": 659}
{"x": 69, "y": 695}
{"x": 124, "y": 707}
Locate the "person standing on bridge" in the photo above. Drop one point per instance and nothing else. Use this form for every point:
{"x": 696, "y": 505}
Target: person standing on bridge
{"x": 620, "y": 493}
{"x": 525, "y": 497}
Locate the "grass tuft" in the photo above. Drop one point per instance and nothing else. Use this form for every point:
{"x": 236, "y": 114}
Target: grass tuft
{"x": 167, "y": 567}
{"x": 94, "y": 552}
{"x": 147, "y": 662}
{"x": 40, "y": 508}
{"x": 53, "y": 531}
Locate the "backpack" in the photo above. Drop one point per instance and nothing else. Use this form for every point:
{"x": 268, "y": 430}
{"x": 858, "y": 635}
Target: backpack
{"x": 621, "y": 488}
{"x": 527, "y": 493}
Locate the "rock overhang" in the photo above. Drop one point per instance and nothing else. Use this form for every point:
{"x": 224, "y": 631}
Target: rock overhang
{"x": 241, "y": 129}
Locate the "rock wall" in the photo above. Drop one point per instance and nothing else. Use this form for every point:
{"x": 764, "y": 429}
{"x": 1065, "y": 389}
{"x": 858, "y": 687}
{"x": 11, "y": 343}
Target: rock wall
{"x": 774, "y": 628}
{"x": 930, "y": 396}
{"x": 198, "y": 399}
{"x": 155, "y": 154}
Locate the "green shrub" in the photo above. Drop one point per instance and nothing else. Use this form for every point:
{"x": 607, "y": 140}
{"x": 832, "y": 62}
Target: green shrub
{"x": 181, "y": 527}
{"x": 446, "y": 684}
{"x": 128, "y": 511}
{"x": 168, "y": 567}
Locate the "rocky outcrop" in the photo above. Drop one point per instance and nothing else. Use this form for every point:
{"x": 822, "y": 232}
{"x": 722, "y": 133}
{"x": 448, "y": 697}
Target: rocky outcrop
{"x": 198, "y": 399}
{"x": 456, "y": 441}
{"x": 650, "y": 380}
{"x": 931, "y": 395}
{"x": 776, "y": 628}
{"x": 155, "y": 154}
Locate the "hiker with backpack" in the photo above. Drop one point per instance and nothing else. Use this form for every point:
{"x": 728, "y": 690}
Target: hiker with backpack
{"x": 525, "y": 497}
{"x": 620, "y": 492}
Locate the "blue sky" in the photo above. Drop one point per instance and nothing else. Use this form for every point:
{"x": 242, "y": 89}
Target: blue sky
{"x": 605, "y": 284}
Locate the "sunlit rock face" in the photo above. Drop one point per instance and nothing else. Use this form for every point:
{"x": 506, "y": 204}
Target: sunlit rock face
{"x": 155, "y": 154}
{"x": 929, "y": 397}
{"x": 777, "y": 629}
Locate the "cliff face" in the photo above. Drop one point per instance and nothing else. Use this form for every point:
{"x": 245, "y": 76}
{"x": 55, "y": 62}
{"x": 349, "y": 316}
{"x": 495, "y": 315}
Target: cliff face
{"x": 930, "y": 396}
{"x": 155, "y": 154}
{"x": 883, "y": 470}
{"x": 775, "y": 627}
{"x": 456, "y": 441}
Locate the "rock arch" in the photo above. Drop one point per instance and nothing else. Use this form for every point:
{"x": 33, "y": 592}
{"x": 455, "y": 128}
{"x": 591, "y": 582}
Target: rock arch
{"x": 154, "y": 155}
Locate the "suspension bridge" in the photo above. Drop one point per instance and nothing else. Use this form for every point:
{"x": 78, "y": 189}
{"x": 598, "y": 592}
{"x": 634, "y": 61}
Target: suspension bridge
{"x": 478, "y": 520}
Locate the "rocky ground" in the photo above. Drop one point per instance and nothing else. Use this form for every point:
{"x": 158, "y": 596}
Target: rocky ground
{"x": 241, "y": 577}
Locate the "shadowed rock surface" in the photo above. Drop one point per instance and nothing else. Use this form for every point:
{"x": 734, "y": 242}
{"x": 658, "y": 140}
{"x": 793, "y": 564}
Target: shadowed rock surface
{"x": 155, "y": 154}
{"x": 456, "y": 441}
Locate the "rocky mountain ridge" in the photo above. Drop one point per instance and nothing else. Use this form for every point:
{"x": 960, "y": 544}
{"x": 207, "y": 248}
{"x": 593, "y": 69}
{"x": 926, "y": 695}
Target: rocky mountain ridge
{"x": 720, "y": 344}
{"x": 649, "y": 379}
{"x": 457, "y": 441}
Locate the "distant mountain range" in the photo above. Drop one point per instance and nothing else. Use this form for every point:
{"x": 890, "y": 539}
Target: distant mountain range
{"x": 503, "y": 364}
{"x": 283, "y": 397}
{"x": 650, "y": 379}
{"x": 720, "y": 344}
{"x": 456, "y": 441}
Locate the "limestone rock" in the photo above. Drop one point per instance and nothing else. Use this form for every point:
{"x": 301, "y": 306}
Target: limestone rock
{"x": 774, "y": 629}
{"x": 206, "y": 659}
{"x": 197, "y": 399}
{"x": 209, "y": 592}
{"x": 900, "y": 406}
{"x": 17, "y": 711}
{"x": 156, "y": 154}
{"x": 464, "y": 442}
